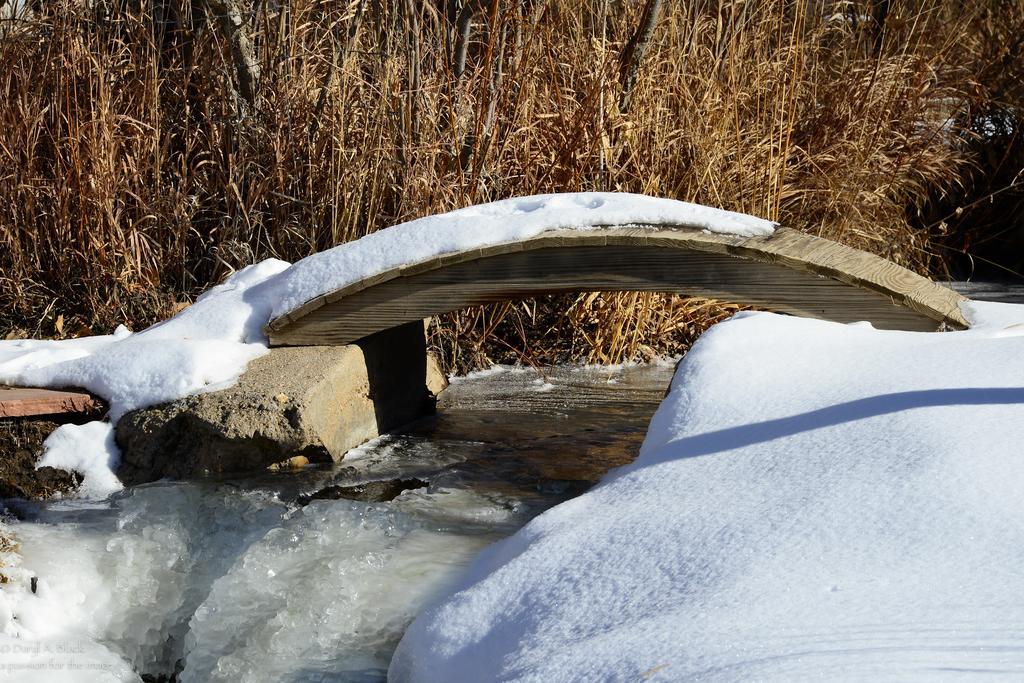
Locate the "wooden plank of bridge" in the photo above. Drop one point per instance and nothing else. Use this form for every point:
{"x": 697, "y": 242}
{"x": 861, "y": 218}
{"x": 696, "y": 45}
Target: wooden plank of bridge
{"x": 1000, "y": 292}
{"x": 22, "y": 402}
{"x": 789, "y": 272}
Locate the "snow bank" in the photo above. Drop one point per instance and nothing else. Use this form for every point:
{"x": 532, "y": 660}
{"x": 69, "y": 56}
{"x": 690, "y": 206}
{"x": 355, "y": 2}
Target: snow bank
{"x": 813, "y": 500}
{"x": 208, "y": 345}
{"x": 205, "y": 347}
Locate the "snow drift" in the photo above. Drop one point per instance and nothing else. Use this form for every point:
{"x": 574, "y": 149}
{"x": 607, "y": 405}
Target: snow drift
{"x": 812, "y": 500}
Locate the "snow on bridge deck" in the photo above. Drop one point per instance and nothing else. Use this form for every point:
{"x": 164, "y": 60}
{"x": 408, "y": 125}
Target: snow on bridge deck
{"x": 788, "y": 271}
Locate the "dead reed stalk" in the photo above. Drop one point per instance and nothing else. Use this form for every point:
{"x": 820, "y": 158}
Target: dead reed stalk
{"x": 130, "y": 177}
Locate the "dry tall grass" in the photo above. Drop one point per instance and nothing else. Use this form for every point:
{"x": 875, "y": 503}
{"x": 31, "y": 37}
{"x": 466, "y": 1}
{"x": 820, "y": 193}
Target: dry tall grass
{"x": 142, "y": 157}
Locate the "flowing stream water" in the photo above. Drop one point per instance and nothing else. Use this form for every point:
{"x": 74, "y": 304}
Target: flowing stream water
{"x": 275, "y": 578}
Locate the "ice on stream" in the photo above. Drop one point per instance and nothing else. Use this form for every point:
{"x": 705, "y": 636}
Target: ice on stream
{"x": 236, "y": 586}
{"x": 233, "y": 581}
{"x": 293, "y": 608}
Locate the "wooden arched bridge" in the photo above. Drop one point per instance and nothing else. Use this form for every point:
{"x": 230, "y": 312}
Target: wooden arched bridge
{"x": 789, "y": 272}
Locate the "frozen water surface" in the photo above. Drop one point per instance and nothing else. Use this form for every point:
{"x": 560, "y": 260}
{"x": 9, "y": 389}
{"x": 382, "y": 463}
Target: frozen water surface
{"x": 236, "y": 580}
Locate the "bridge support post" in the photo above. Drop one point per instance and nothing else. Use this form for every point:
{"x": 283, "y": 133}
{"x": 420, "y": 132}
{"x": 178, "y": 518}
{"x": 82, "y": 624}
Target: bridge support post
{"x": 294, "y": 405}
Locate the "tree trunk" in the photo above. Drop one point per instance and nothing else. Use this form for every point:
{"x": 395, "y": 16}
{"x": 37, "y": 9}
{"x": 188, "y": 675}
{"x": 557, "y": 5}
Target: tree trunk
{"x": 635, "y": 49}
{"x": 231, "y": 19}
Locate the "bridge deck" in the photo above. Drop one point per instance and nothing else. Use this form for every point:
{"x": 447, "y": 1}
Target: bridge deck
{"x": 789, "y": 272}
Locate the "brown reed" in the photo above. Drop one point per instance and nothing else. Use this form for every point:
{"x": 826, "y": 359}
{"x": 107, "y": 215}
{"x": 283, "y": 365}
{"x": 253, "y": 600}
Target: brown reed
{"x": 147, "y": 149}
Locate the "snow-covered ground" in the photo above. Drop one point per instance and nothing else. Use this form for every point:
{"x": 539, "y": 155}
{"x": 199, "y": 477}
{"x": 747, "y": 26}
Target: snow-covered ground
{"x": 208, "y": 345}
{"x": 812, "y": 500}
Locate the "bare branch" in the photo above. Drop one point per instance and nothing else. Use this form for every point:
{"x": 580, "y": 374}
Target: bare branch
{"x": 635, "y": 49}
{"x": 462, "y": 27}
{"x": 339, "y": 59}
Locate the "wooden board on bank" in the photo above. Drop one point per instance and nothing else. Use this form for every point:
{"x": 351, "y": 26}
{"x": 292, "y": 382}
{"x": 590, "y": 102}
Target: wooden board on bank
{"x": 23, "y": 402}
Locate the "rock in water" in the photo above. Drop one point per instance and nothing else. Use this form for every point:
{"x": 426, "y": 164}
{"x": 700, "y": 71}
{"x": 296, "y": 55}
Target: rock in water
{"x": 314, "y": 401}
{"x": 368, "y": 492}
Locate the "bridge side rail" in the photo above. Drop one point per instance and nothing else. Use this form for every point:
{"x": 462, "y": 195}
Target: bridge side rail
{"x": 788, "y": 271}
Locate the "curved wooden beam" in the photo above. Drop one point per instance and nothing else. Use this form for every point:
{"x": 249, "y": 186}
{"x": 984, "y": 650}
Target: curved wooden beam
{"x": 789, "y": 271}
